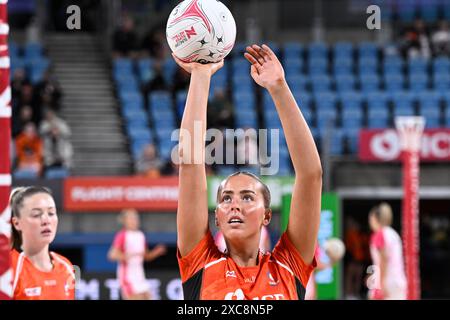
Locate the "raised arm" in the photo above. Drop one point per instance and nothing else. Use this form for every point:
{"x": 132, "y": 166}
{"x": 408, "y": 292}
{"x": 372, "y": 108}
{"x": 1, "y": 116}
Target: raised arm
{"x": 304, "y": 218}
{"x": 192, "y": 213}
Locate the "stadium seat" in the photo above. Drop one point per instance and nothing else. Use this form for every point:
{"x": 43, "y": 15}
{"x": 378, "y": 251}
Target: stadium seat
{"x": 351, "y": 138}
{"x": 321, "y": 82}
{"x": 393, "y": 64}
{"x": 406, "y": 10}
{"x": 25, "y": 174}
{"x": 325, "y": 101}
{"x": 418, "y": 82}
{"x": 317, "y": 65}
{"x": 367, "y": 50}
{"x": 293, "y": 66}
{"x": 393, "y": 82}
{"x": 441, "y": 64}
{"x": 342, "y": 65}
{"x": 145, "y": 69}
{"x": 428, "y": 10}
{"x": 418, "y": 65}
{"x": 343, "y": 50}
{"x": 56, "y": 173}
{"x": 246, "y": 118}
{"x": 369, "y": 82}
{"x": 297, "y": 82}
{"x": 333, "y": 138}
{"x": 377, "y": 117}
{"x": 317, "y": 50}
{"x": 160, "y": 100}
{"x": 345, "y": 82}
{"x": 293, "y": 50}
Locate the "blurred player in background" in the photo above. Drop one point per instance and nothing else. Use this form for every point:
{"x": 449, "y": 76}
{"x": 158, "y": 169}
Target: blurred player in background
{"x": 387, "y": 255}
{"x": 130, "y": 250}
{"x": 38, "y": 274}
{"x": 265, "y": 244}
{"x": 243, "y": 201}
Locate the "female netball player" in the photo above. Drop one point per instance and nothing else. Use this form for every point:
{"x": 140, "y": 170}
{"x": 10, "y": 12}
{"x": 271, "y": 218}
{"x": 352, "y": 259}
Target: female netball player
{"x": 243, "y": 201}
{"x": 387, "y": 255}
{"x": 38, "y": 274}
{"x": 130, "y": 250}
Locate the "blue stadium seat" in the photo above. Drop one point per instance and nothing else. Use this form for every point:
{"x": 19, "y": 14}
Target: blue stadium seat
{"x": 160, "y": 100}
{"x": 369, "y": 82}
{"x": 447, "y": 115}
{"x": 351, "y": 135}
{"x": 352, "y": 117}
{"x": 321, "y": 82}
{"x": 121, "y": 65}
{"x": 342, "y": 65}
{"x": 317, "y": 65}
{"x": 297, "y": 81}
{"x": 133, "y": 114}
{"x": 343, "y": 49}
{"x": 56, "y": 173}
{"x": 432, "y": 114}
{"x": 132, "y": 101}
{"x": 169, "y": 69}
{"x": 377, "y": 117}
{"x": 367, "y": 50}
{"x": 244, "y": 99}
{"x": 441, "y": 64}
{"x": 428, "y": 10}
{"x": 418, "y": 81}
{"x": 325, "y": 101}
{"x": 351, "y": 100}
{"x": 345, "y": 82}
{"x": 367, "y": 65}
{"x": 406, "y": 10}
{"x": 242, "y": 82}
{"x": 25, "y": 174}
{"x": 137, "y": 123}
{"x": 393, "y": 82}
{"x": 393, "y": 64}
{"x": 293, "y": 50}
{"x": 293, "y": 66}
{"x": 326, "y": 118}
{"x": 140, "y": 133}
{"x": 336, "y": 141}
{"x": 137, "y": 146}
{"x": 246, "y": 118}
{"x": 441, "y": 81}
{"x": 402, "y": 99}
{"x": 33, "y": 50}
{"x": 418, "y": 65}
{"x": 303, "y": 99}
{"x": 145, "y": 69}
{"x": 318, "y": 50}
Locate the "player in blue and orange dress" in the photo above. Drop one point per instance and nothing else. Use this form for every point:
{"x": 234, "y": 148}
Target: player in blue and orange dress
{"x": 243, "y": 201}
{"x": 38, "y": 274}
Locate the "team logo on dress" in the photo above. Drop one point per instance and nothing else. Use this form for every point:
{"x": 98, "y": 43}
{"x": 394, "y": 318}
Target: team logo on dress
{"x": 237, "y": 295}
{"x": 33, "y": 292}
{"x": 272, "y": 281}
{"x": 50, "y": 283}
{"x": 230, "y": 274}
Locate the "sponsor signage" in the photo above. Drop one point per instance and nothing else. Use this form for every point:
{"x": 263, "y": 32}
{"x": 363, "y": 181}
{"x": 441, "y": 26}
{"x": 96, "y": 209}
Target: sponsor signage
{"x": 384, "y": 145}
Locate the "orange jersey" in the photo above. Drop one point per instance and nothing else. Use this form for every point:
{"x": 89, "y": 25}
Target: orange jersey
{"x": 208, "y": 274}
{"x": 30, "y": 283}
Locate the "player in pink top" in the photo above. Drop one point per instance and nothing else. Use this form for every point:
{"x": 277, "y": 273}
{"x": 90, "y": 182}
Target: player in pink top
{"x": 130, "y": 250}
{"x": 387, "y": 255}
{"x": 265, "y": 244}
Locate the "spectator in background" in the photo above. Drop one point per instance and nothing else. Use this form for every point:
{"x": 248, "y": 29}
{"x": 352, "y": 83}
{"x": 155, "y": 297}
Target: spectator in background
{"x": 149, "y": 164}
{"x": 387, "y": 255}
{"x": 25, "y": 115}
{"x": 29, "y": 149}
{"x": 56, "y": 133}
{"x": 220, "y": 111}
{"x": 48, "y": 93}
{"x": 441, "y": 40}
{"x": 157, "y": 80}
{"x": 130, "y": 250}
{"x": 416, "y": 41}
{"x": 18, "y": 80}
{"x": 181, "y": 80}
{"x": 154, "y": 44}
{"x": 355, "y": 247}
{"x": 125, "y": 39}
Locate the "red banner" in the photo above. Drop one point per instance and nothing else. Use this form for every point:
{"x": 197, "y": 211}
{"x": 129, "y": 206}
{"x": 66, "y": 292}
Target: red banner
{"x": 5, "y": 173}
{"x": 103, "y": 194}
{"x": 384, "y": 145}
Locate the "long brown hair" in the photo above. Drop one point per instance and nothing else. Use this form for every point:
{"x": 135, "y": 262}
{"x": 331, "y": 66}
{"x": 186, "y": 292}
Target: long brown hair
{"x": 265, "y": 189}
{"x": 18, "y": 196}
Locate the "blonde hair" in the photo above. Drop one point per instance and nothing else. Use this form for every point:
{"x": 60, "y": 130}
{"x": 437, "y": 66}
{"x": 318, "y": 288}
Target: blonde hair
{"x": 385, "y": 214}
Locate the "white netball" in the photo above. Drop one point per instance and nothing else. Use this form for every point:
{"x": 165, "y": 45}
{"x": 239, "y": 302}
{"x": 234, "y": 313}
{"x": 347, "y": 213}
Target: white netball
{"x": 201, "y": 30}
{"x": 334, "y": 248}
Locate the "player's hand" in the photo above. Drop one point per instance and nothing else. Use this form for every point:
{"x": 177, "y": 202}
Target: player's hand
{"x": 160, "y": 250}
{"x": 266, "y": 69}
{"x": 190, "y": 67}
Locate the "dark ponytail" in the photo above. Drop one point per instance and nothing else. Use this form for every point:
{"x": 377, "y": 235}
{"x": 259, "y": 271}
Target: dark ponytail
{"x": 18, "y": 195}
